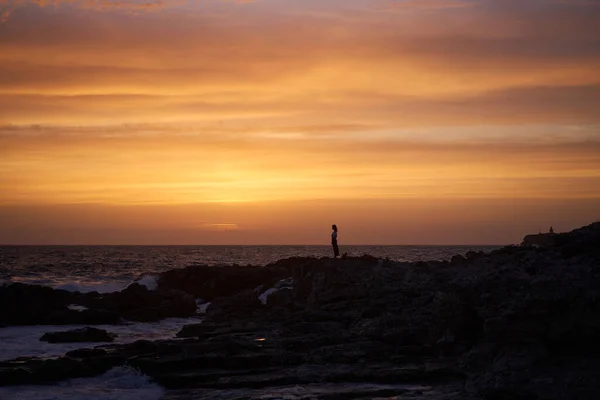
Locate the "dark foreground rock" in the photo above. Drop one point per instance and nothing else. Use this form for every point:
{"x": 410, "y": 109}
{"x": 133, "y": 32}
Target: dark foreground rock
{"x": 518, "y": 323}
{"x": 79, "y": 335}
{"x": 39, "y": 305}
{"x": 137, "y": 303}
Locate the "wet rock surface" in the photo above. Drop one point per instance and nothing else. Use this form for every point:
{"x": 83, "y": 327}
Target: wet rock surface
{"x": 79, "y": 335}
{"x": 39, "y": 305}
{"x": 517, "y": 323}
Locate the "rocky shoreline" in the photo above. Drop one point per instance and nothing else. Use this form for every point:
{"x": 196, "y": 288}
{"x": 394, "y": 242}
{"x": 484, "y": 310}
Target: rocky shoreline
{"x": 516, "y": 323}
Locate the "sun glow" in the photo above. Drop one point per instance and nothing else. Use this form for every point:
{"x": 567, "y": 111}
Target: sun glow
{"x": 285, "y": 109}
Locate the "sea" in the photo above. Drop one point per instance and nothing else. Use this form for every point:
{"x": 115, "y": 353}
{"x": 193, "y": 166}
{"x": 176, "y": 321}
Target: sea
{"x": 112, "y": 268}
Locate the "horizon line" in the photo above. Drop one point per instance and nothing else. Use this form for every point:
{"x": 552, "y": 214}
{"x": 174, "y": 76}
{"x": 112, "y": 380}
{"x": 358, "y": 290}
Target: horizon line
{"x": 256, "y": 245}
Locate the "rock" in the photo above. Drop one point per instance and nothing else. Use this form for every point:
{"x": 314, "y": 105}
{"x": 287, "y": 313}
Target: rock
{"x": 43, "y": 305}
{"x": 541, "y": 239}
{"x": 196, "y": 330}
{"x": 474, "y": 255}
{"x": 281, "y": 298}
{"x": 209, "y": 283}
{"x": 86, "y": 317}
{"x": 30, "y": 304}
{"x": 241, "y": 304}
{"x": 79, "y": 335}
{"x": 86, "y": 353}
{"x": 137, "y": 303}
{"x": 458, "y": 260}
{"x": 515, "y": 323}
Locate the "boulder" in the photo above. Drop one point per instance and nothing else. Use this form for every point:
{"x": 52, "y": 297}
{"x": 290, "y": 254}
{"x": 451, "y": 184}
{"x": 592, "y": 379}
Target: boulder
{"x": 281, "y": 298}
{"x": 85, "y": 317}
{"x": 541, "y": 239}
{"x": 137, "y": 303}
{"x": 242, "y": 304}
{"x": 458, "y": 260}
{"x": 86, "y": 353}
{"x": 209, "y": 283}
{"x": 79, "y": 335}
{"x": 30, "y": 304}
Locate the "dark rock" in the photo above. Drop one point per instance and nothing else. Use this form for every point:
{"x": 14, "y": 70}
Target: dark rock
{"x": 458, "y": 260}
{"x": 85, "y": 317}
{"x": 241, "y": 304}
{"x": 474, "y": 255}
{"x": 196, "y": 330}
{"x": 79, "y": 335}
{"x": 30, "y": 304}
{"x": 86, "y": 353}
{"x": 43, "y": 371}
{"x": 43, "y": 305}
{"x": 519, "y": 322}
{"x": 281, "y": 298}
{"x": 137, "y": 303}
{"x": 541, "y": 239}
{"x": 209, "y": 283}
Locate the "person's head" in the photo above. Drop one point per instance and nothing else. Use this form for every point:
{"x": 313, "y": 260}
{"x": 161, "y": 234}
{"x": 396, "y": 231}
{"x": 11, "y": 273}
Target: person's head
{"x": 334, "y": 227}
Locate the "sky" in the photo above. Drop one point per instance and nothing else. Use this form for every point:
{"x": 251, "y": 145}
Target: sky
{"x": 266, "y": 121}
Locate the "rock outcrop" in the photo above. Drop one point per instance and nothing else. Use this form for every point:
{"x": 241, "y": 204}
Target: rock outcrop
{"x": 517, "y": 323}
{"x": 79, "y": 335}
{"x": 39, "y": 305}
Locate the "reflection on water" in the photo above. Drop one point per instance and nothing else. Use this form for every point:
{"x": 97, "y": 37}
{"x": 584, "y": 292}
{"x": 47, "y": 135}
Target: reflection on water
{"x": 112, "y": 268}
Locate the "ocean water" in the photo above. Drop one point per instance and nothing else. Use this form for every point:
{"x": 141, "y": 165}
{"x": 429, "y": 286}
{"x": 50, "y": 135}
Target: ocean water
{"x": 112, "y": 268}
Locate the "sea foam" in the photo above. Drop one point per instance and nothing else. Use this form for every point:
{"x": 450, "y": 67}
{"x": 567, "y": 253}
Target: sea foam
{"x": 148, "y": 280}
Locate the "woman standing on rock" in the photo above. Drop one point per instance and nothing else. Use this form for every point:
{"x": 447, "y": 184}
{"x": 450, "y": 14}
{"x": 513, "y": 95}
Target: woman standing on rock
{"x": 336, "y": 249}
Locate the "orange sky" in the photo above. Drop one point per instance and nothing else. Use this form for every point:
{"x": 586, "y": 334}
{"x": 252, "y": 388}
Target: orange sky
{"x": 264, "y": 122}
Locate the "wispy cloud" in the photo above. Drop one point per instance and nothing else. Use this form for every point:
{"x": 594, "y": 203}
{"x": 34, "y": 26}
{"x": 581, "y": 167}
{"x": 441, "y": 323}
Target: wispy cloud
{"x": 218, "y": 227}
{"x": 7, "y": 7}
{"x": 429, "y": 4}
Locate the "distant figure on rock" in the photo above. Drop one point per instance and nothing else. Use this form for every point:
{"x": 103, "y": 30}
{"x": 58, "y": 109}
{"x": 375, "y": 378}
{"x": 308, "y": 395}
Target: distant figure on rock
{"x": 334, "y": 244}
{"x": 551, "y": 230}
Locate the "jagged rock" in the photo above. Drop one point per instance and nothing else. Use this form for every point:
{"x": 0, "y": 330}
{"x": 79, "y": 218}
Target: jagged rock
{"x": 86, "y": 353}
{"x": 281, "y": 298}
{"x": 519, "y": 322}
{"x": 30, "y": 304}
{"x": 541, "y": 239}
{"x": 137, "y": 303}
{"x": 458, "y": 260}
{"x": 79, "y": 335}
{"x": 209, "y": 283}
{"x": 85, "y": 317}
{"x": 474, "y": 255}
{"x": 241, "y": 304}
{"x": 35, "y": 304}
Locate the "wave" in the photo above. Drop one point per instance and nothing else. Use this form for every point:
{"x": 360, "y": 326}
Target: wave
{"x": 148, "y": 280}
{"x": 287, "y": 283}
{"x": 86, "y": 286}
{"x": 119, "y": 383}
{"x": 82, "y": 282}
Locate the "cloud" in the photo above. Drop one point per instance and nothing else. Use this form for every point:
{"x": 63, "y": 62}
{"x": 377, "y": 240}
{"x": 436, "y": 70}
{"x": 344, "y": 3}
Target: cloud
{"x": 219, "y": 227}
{"x": 93, "y": 4}
{"x": 7, "y": 7}
{"x": 429, "y": 4}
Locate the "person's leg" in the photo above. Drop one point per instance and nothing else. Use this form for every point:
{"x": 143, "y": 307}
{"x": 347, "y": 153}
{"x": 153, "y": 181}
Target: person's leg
{"x": 336, "y": 250}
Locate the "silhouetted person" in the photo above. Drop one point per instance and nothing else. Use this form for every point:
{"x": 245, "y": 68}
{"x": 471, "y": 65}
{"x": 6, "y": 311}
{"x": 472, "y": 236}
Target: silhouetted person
{"x": 336, "y": 249}
{"x": 551, "y": 230}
